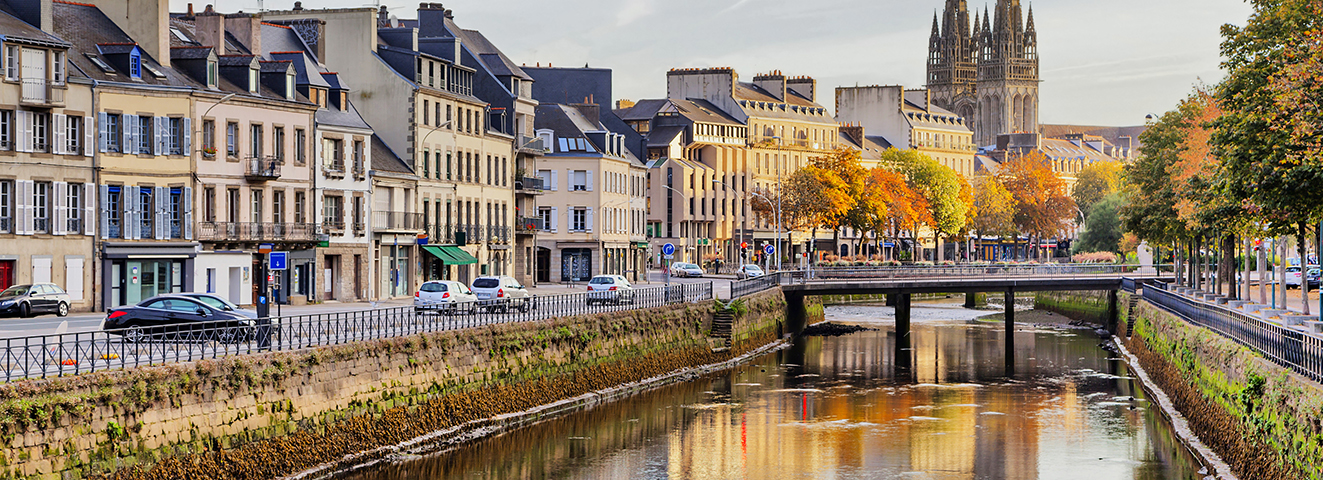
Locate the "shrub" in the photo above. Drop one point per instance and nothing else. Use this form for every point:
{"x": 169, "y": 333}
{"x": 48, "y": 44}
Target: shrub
{"x": 1095, "y": 257}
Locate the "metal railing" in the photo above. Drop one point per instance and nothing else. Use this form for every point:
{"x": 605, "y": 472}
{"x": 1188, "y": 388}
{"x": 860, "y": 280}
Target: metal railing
{"x": 257, "y": 231}
{"x": 397, "y": 221}
{"x": 529, "y": 185}
{"x": 750, "y": 286}
{"x": 335, "y": 167}
{"x": 531, "y": 144}
{"x": 528, "y": 225}
{"x": 41, "y": 91}
{"x": 498, "y": 234}
{"x": 1290, "y": 347}
{"x": 1067, "y": 271}
{"x": 472, "y": 233}
{"x": 43, "y": 356}
{"x": 336, "y": 226}
{"x": 262, "y": 168}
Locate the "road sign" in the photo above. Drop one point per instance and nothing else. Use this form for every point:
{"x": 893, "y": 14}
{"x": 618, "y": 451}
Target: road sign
{"x": 668, "y": 249}
{"x": 265, "y": 248}
{"x": 668, "y": 257}
{"x": 278, "y": 260}
{"x": 769, "y": 249}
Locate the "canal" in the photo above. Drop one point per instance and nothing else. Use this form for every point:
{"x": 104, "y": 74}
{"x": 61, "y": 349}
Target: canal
{"x": 832, "y": 407}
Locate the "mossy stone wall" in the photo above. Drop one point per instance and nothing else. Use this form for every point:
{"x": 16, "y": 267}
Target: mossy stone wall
{"x": 1087, "y": 306}
{"x": 283, "y": 412}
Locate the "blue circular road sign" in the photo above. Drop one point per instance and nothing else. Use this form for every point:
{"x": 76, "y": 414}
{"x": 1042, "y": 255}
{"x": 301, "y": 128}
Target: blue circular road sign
{"x": 668, "y": 249}
{"x": 769, "y": 249}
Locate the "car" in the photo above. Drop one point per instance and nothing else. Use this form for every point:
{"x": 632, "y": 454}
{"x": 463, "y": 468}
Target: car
{"x": 501, "y": 293}
{"x": 28, "y": 300}
{"x": 216, "y": 301}
{"x": 177, "y": 317}
{"x": 1312, "y": 276}
{"x": 610, "y": 288}
{"x": 749, "y": 271}
{"x": 444, "y": 296}
{"x": 681, "y": 269}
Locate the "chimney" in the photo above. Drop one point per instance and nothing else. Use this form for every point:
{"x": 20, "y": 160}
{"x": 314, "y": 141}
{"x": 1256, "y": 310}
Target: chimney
{"x": 383, "y": 17}
{"x": 209, "y": 27}
{"x": 298, "y": 6}
{"x": 190, "y": 13}
{"x": 774, "y": 83}
{"x": 432, "y": 21}
{"x": 806, "y": 87}
{"x": 855, "y": 132}
{"x": 35, "y": 12}
{"x": 247, "y": 29}
{"x": 147, "y": 22}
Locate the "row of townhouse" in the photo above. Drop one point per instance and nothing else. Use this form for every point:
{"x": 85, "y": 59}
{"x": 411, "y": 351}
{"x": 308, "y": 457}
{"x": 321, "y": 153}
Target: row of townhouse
{"x": 146, "y": 152}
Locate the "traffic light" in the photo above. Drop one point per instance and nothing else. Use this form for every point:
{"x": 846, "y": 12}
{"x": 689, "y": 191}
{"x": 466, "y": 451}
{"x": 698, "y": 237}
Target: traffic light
{"x": 744, "y": 245}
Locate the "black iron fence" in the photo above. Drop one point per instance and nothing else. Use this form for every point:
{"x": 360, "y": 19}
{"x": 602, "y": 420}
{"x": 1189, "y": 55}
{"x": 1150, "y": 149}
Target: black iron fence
{"x": 397, "y": 221}
{"x": 43, "y": 356}
{"x": 1289, "y": 346}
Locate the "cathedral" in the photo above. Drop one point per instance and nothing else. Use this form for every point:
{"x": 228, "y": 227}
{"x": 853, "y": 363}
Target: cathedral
{"x": 986, "y": 70}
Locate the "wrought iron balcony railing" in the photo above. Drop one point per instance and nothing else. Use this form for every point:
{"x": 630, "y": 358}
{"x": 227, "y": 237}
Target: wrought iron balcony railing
{"x": 256, "y": 231}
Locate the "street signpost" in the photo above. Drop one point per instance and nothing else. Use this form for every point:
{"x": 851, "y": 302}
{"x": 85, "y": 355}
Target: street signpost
{"x": 668, "y": 252}
{"x": 279, "y": 260}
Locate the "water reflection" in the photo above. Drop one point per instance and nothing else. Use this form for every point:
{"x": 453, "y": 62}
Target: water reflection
{"x": 828, "y": 408}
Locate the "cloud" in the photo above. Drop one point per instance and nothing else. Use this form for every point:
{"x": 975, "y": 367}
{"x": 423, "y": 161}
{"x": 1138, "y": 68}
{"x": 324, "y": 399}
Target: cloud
{"x": 633, "y": 10}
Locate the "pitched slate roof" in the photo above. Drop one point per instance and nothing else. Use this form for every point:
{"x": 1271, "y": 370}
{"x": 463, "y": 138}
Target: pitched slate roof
{"x": 85, "y": 27}
{"x": 189, "y": 52}
{"x": 643, "y": 110}
{"x": 492, "y": 57}
{"x": 385, "y": 159}
{"x": 341, "y": 118}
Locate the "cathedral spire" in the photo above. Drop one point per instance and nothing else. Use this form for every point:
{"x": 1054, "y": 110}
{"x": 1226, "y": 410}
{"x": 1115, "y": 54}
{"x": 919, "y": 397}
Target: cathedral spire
{"x": 1029, "y": 24}
{"x": 936, "y": 31}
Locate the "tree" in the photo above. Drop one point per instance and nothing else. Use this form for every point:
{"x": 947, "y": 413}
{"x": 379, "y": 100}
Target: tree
{"x": 1095, "y": 181}
{"x": 995, "y": 206}
{"x": 1042, "y": 207}
{"x": 1104, "y": 232}
{"x": 948, "y": 202}
{"x": 887, "y": 206}
{"x": 810, "y": 198}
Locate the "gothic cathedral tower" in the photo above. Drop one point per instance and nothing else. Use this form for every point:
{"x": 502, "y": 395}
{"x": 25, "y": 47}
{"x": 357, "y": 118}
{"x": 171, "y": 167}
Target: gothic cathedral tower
{"x": 989, "y": 76}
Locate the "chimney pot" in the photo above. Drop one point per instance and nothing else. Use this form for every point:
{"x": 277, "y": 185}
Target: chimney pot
{"x": 298, "y": 6}
{"x": 190, "y": 9}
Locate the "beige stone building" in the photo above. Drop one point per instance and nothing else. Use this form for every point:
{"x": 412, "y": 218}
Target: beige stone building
{"x": 892, "y": 116}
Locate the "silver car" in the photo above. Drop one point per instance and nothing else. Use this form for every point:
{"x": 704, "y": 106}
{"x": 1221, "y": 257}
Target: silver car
{"x": 749, "y": 271}
{"x": 444, "y": 296}
{"x": 681, "y": 269}
{"x": 610, "y": 289}
{"x": 501, "y": 293}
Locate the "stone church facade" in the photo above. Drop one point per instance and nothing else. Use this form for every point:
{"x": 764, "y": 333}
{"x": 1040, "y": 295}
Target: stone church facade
{"x": 986, "y": 70}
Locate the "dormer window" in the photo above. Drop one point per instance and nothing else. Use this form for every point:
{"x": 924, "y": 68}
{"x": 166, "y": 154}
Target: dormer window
{"x": 252, "y": 80}
{"x": 211, "y": 74}
{"x": 100, "y": 63}
{"x": 135, "y": 64}
{"x": 289, "y": 86}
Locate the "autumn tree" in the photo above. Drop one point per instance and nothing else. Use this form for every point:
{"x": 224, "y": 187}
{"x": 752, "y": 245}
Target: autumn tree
{"x": 887, "y": 206}
{"x": 1095, "y": 181}
{"x": 1042, "y": 208}
{"x": 948, "y": 203}
{"x": 995, "y": 206}
{"x": 810, "y": 198}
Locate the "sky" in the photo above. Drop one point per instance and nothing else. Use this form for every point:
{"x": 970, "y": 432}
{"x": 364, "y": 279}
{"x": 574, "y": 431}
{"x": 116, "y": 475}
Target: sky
{"x": 1103, "y": 62}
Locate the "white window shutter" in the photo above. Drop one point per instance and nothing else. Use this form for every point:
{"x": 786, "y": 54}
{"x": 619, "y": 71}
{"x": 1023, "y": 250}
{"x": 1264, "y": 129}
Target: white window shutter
{"x": 89, "y": 205}
{"x": 555, "y": 219}
{"x": 129, "y": 127}
{"x": 161, "y": 198}
{"x": 24, "y": 130}
{"x": 58, "y": 199}
{"x": 187, "y": 201}
{"x": 130, "y": 218}
{"x": 554, "y": 184}
{"x": 588, "y": 220}
{"x": 105, "y": 210}
{"x": 158, "y": 137}
{"x": 25, "y": 207}
{"x": 188, "y": 137}
{"x": 88, "y": 128}
{"x": 590, "y": 180}
{"x": 60, "y": 127}
{"x": 102, "y": 133}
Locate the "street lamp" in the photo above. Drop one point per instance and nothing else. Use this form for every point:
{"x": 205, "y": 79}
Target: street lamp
{"x": 779, "y": 185}
{"x": 764, "y": 197}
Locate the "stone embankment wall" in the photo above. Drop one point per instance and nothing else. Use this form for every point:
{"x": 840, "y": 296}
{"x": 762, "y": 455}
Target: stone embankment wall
{"x": 1087, "y": 306}
{"x": 264, "y": 416}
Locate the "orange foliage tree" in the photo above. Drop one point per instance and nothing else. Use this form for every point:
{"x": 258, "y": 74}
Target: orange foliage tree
{"x": 1042, "y": 208}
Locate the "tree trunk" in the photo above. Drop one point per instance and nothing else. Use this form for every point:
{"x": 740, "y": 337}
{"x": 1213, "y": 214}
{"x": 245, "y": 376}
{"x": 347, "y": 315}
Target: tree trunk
{"x": 1301, "y": 238}
{"x": 1263, "y": 284}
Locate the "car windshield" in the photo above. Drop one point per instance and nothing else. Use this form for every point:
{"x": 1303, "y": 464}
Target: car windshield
{"x": 752, "y": 268}
{"x": 433, "y": 287}
{"x": 1292, "y": 269}
{"x": 486, "y": 283}
{"x": 463, "y": 288}
{"x": 14, "y": 291}
{"x": 213, "y": 301}
{"x": 601, "y": 281}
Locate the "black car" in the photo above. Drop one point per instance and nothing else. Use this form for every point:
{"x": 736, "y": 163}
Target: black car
{"x": 29, "y": 300}
{"x": 180, "y": 318}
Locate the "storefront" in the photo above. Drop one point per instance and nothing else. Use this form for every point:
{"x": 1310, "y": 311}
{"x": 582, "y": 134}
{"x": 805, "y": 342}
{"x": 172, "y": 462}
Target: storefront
{"x": 133, "y": 272}
{"x": 395, "y": 256}
{"x": 442, "y": 257}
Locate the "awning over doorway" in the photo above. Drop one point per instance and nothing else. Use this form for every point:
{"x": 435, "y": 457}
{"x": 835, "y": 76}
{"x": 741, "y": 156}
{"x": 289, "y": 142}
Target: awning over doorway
{"x": 450, "y": 255}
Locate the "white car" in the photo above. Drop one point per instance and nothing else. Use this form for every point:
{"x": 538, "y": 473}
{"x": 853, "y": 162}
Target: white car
{"x": 749, "y": 271}
{"x": 444, "y": 296}
{"x": 610, "y": 288}
{"x": 501, "y": 293}
{"x": 1292, "y": 277}
{"x": 681, "y": 269}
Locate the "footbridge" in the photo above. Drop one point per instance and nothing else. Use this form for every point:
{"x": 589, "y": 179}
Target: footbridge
{"x": 900, "y": 283}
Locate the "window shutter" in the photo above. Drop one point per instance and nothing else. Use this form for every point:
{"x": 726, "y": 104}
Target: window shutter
{"x": 88, "y": 128}
{"x": 159, "y": 124}
{"x": 588, "y": 220}
{"x": 129, "y": 127}
{"x": 590, "y": 180}
{"x": 187, "y": 201}
{"x": 105, "y": 206}
{"x": 554, "y": 183}
{"x": 188, "y": 137}
{"x": 160, "y": 197}
{"x": 25, "y": 207}
{"x": 24, "y": 130}
{"x": 555, "y": 219}
{"x": 569, "y": 180}
{"x": 89, "y": 205}
{"x": 102, "y": 134}
{"x": 60, "y": 128}
{"x": 58, "y": 199}
{"x": 129, "y": 197}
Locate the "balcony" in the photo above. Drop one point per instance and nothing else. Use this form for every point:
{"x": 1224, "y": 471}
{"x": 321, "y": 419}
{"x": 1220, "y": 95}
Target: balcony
{"x": 360, "y": 172}
{"x": 42, "y": 92}
{"x": 256, "y": 232}
{"x": 395, "y": 221}
{"x": 528, "y": 225}
{"x": 470, "y": 234}
{"x": 334, "y": 169}
{"x": 531, "y": 186}
{"x": 531, "y": 145}
{"x": 359, "y": 229}
{"x": 333, "y": 227}
{"x": 261, "y": 169}
{"x": 497, "y": 234}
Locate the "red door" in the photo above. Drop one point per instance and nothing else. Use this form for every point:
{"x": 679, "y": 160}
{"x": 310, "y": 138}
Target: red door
{"x": 6, "y": 273}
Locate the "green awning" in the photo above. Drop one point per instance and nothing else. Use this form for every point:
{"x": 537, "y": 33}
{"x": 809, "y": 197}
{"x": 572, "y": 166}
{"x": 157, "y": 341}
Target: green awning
{"x": 438, "y": 253}
{"x": 451, "y": 255}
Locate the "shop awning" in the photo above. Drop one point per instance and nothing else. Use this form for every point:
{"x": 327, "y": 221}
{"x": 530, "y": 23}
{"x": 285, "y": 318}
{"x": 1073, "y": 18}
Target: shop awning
{"x": 450, "y": 255}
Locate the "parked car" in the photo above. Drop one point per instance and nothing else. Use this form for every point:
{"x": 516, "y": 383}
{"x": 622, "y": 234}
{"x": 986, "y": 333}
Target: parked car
{"x": 681, "y": 269}
{"x": 177, "y": 317}
{"x": 1292, "y": 277}
{"x": 1312, "y": 276}
{"x": 501, "y": 293}
{"x": 217, "y": 302}
{"x": 444, "y": 296}
{"x": 749, "y": 271}
{"x": 610, "y": 288}
{"x": 28, "y": 300}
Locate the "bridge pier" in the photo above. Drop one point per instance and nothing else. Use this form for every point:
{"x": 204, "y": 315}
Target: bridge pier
{"x": 1010, "y": 332}
{"x": 1112, "y": 310}
{"x": 891, "y": 299}
{"x": 796, "y": 314}
{"x": 904, "y": 348}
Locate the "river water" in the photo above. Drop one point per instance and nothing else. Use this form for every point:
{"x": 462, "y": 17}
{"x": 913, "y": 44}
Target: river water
{"x": 832, "y": 408}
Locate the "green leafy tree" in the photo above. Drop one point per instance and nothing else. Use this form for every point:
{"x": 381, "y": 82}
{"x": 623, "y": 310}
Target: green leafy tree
{"x": 1095, "y": 181}
{"x": 996, "y": 208}
{"x": 945, "y": 191}
{"x": 1042, "y": 208}
{"x": 1104, "y": 230}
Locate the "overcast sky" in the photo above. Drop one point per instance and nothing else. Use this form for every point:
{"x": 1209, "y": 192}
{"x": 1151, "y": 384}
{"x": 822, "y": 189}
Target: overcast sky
{"x": 1104, "y": 62}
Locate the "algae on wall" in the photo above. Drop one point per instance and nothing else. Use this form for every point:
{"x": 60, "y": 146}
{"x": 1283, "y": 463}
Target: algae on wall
{"x": 1088, "y": 306}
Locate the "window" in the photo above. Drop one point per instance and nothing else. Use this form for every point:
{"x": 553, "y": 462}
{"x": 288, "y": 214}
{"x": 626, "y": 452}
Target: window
{"x": 426, "y": 107}
{"x": 255, "y": 140}
{"x": 232, "y": 139}
{"x": 41, "y": 207}
{"x": 114, "y": 212}
{"x": 278, "y": 142}
{"x": 135, "y": 64}
{"x": 300, "y": 146}
{"x": 73, "y": 203}
{"x": 73, "y": 138}
{"x": 252, "y": 80}
{"x": 580, "y": 179}
{"x": 6, "y": 129}
{"x": 232, "y": 204}
{"x": 209, "y": 204}
{"x": 11, "y": 62}
{"x": 255, "y": 196}
{"x": 358, "y": 215}
{"x": 448, "y": 164}
{"x": 437, "y": 105}
{"x": 278, "y": 206}
{"x": 145, "y": 209}
{"x": 300, "y": 198}
{"x": 145, "y": 134}
{"x": 427, "y": 164}
{"x": 289, "y": 87}
{"x": 176, "y": 141}
{"x": 176, "y": 213}
{"x": 57, "y": 72}
{"x": 333, "y": 155}
{"x": 209, "y": 136}
{"x": 545, "y": 214}
{"x": 580, "y": 221}
{"x": 41, "y": 129}
{"x": 211, "y": 74}
{"x": 333, "y": 212}
{"x": 358, "y": 158}
{"x": 448, "y": 117}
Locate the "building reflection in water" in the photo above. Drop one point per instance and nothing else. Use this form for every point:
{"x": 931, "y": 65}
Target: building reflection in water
{"x": 828, "y": 408}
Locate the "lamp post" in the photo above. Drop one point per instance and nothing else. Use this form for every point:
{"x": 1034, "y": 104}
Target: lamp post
{"x": 691, "y": 226}
{"x": 780, "y": 194}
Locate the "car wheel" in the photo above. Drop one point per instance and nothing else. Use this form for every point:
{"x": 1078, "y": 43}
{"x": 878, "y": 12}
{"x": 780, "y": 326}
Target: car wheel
{"x": 63, "y": 310}
{"x": 24, "y": 311}
{"x": 134, "y": 335}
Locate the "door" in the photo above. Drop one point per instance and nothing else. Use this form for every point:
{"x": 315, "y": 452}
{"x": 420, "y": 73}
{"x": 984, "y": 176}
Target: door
{"x": 73, "y": 278}
{"x": 34, "y": 75}
{"x": 41, "y": 269}
{"x": 543, "y": 265}
{"x": 358, "y": 277}
{"x": 328, "y": 275}
{"x": 6, "y": 274}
